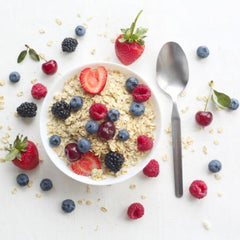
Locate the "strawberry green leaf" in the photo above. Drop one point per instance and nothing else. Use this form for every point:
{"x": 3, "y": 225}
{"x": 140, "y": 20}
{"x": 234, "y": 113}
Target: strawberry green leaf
{"x": 21, "y": 56}
{"x": 221, "y": 99}
{"x": 12, "y": 155}
{"x": 121, "y": 40}
{"x": 34, "y": 55}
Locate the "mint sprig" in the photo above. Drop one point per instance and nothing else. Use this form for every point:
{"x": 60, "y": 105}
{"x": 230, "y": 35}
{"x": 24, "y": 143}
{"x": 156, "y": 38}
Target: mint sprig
{"x": 32, "y": 53}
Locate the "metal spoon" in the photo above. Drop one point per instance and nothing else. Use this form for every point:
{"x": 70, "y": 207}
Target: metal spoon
{"x": 172, "y": 77}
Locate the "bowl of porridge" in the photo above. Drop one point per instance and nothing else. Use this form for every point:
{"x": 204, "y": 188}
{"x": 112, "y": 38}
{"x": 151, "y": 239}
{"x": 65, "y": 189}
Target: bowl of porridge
{"x": 111, "y": 147}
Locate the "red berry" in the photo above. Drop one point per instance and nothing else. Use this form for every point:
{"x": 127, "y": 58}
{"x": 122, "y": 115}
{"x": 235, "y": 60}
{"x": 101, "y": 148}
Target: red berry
{"x": 141, "y": 93}
{"x": 93, "y": 81}
{"x": 135, "y": 211}
{"x": 98, "y": 111}
{"x": 152, "y": 169}
{"x": 72, "y": 152}
{"x": 204, "y": 118}
{"x": 198, "y": 189}
{"x": 50, "y": 67}
{"x": 86, "y": 164}
{"x": 144, "y": 143}
{"x": 38, "y": 91}
{"x": 106, "y": 130}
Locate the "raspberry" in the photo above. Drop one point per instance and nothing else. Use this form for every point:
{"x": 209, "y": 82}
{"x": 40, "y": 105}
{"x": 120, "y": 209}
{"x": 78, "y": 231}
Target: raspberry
{"x": 152, "y": 169}
{"x": 38, "y": 91}
{"x": 98, "y": 111}
{"x": 135, "y": 211}
{"x": 144, "y": 143}
{"x": 198, "y": 189}
{"x": 141, "y": 93}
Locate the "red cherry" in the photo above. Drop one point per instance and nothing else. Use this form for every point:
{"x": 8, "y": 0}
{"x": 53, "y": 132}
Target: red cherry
{"x": 106, "y": 130}
{"x": 204, "y": 118}
{"x": 50, "y": 67}
{"x": 72, "y": 152}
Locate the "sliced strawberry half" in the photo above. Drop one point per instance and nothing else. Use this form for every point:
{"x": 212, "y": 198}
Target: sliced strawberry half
{"x": 93, "y": 81}
{"x": 86, "y": 164}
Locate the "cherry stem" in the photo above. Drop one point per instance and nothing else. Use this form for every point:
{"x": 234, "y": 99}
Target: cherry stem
{"x": 27, "y": 46}
{"x": 43, "y": 58}
{"x": 210, "y": 95}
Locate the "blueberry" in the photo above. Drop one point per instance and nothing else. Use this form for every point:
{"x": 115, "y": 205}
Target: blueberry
{"x": 202, "y": 51}
{"x": 123, "y": 135}
{"x": 113, "y": 115}
{"x": 46, "y": 184}
{"x": 80, "y": 30}
{"x": 55, "y": 140}
{"x": 131, "y": 83}
{"x": 84, "y": 145}
{"x": 91, "y": 126}
{"x": 234, "y": 104}
{"x": 68, "y": 205}
{"x": 22, "y": 179}
{"x": 76, "y": 103}
{"x": 14, "y": 77}
{"x": 137, "y": 109}
{"x": 214, "y": 166}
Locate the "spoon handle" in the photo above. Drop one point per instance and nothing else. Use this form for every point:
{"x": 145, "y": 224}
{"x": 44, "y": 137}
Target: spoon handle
{"x": 177, "y": 150}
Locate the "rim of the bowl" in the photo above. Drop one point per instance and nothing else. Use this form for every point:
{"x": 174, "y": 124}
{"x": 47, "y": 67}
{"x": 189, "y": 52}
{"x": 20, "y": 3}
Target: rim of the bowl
{"x": 75, "y": 176}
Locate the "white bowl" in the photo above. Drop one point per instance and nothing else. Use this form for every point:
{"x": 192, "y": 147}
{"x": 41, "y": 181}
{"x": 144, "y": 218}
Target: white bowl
{"x": 60, "y": 164}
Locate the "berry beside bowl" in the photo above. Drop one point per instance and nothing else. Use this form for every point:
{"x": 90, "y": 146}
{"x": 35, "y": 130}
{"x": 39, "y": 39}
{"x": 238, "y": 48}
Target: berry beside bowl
{"x": 77, "y": 169}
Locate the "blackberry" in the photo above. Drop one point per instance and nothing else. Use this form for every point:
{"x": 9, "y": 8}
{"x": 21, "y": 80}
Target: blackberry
{"x": 61, "y": 109}
{"x": 114, "y": 161}
{"x": 27, "y": 109}
{"x": 69, "y": 44}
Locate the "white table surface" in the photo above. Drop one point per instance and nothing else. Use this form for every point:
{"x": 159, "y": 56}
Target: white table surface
{"x": 23, "y": 216}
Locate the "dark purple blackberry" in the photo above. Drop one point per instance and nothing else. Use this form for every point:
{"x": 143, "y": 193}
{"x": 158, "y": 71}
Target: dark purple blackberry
{"x": 114, "y": 161}
{"x": 27, "y": 109}
{"x": 69, "y": 44}
{"x": 61, "y": 109}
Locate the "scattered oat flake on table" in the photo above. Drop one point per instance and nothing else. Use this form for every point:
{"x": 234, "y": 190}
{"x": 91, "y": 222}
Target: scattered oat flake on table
{"x": 38, "y": 195}
{"x": 85, "y": 25}
{"x": 220, "y": 130}
{"x": 14, "y": 191}
{"x": 219, "y": 194}
{"x": 88, "y": 202}
{"x": 217, "y": 176}
{"x": 168, "y": 130}
{"x": 165, "y": 157}
{"x": 185, "y": 110}
{"x": 211, "y": 130}
{"x": 2, "y": 82}
{"x": 34, "y": 80}
{"x": 206, "y": 225}
{"x": 205, "y": 150}
{"x": 1, "y": 126}
{"x": 187, "y": 142}
{"x": 42, "y": 31}
{"x": 50, "y": 43}
{"x": 183, "y": 94}
{"x": 89, "y": 19}
{"x": 16, "y": 114}
{"x": 30, "y": 183}
{"x": 132, "y": 186}
{"x": 20, "y": 93}
{"x": 143, "y": 197}
{"x": 216, "y": 142}
{"x": 93, "y": 51}
{"x": 58, "y": 21}
{"x": 80, "y": 202}
{"x": 9, "y": 128}
{"x": 103, "y": 209}
{"x": 78, "y": 15}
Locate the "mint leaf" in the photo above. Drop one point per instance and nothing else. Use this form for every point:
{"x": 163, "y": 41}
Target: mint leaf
{"x": 221, "y": 99}
{"x": 21, "y": 56}
{"x": 34, "y": 55}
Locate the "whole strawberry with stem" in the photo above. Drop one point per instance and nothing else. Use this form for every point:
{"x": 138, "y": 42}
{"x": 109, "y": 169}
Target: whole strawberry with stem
{"x": 129, "y": 46}
{"x": 23, "y": 153}
{"x": 204, "y": 118}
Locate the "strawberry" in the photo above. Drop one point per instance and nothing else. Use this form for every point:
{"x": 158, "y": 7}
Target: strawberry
{"x": 23, "y": 153}
{"x": 129, "y": 46}
{"x": 93, "y": 81}
{"x": 86, "y": 164}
